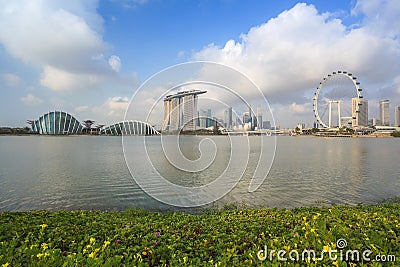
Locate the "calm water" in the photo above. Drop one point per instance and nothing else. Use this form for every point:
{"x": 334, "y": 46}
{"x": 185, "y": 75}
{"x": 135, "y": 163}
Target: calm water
{"x": 44, "y": 172}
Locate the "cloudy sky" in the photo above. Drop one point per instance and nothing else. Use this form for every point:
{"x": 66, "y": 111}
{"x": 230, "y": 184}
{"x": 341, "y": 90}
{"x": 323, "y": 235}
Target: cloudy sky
{"x": 90, "y": 57}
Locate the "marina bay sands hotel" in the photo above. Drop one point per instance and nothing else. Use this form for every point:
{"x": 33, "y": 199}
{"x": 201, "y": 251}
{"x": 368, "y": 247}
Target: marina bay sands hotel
{"x": 180, "y": 111}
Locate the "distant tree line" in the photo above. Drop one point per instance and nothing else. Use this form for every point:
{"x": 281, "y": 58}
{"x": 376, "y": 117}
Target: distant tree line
{"x": 396, "y": 134}
{"x": 17, "y": 130}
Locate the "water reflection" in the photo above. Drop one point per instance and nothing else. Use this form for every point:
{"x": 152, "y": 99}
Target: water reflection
{"x": 90, "y": 172}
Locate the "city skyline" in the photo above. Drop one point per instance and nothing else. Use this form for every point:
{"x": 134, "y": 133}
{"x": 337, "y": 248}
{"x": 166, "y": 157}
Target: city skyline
{"x": 94, "y": 71}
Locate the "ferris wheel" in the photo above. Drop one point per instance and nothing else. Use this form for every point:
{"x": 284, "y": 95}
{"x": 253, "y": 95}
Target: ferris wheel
{"x": 340, "y": 89}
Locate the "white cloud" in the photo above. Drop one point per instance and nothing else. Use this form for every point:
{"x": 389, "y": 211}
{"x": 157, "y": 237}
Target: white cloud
{"x": 61, "y": 80}
{"x": 289, "y": 55}
{"x": 381, "y": 16}
{"x": 62, "y": 38}
{"x": 112, "y": 110}
{"x": 12, "y": 80}
{"x": 131, "y": 3}
{"x": 300, "y": 109}
{"x": 181, "y": 54}
{"x": 31, "y": 100}
{"x": 115, "y": 63}
{"x": 81, "y": 108}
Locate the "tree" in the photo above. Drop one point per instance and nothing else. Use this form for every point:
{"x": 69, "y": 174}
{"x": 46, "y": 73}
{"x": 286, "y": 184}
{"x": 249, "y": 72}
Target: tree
{"x": 395, "y": 134}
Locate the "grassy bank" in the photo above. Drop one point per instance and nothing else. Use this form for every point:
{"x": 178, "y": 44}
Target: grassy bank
{"x": 224, "y": 238}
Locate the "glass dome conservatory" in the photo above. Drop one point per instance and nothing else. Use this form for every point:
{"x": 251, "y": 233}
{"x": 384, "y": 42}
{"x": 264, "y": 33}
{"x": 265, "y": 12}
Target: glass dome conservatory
{"x": 56, "y": 122}
{"x": 131, "y": 127}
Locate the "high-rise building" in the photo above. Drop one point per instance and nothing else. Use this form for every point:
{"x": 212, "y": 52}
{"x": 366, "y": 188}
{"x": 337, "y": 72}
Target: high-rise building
{"x": 180, "y": 111}
{"x": 228, "y": 118}
{"x": 346, "y": 122}
{"x": 209, "y": 118}
{"x": 384, "y": 112}
{"x": 359, "y": 112}
{"x": 266, "y": 125}
{"x": 397, "y": 116}
{"x": 246, "y": 118}
{"x": 259, "y": 118}
{"x": 203, "y": 119}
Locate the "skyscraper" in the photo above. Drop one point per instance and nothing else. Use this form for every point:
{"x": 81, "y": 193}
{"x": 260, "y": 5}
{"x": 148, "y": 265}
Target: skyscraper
{"x": 228, "y": 118}
{"x": 397, "y": 116}
{"x": 209, "y": 118}
{"x": 384, "y": 112}
{"x": 203, "y": 119}
{"x": 180, "y": 111}
{"x": 359, "y": 112}
{"x": 259, "y": 118}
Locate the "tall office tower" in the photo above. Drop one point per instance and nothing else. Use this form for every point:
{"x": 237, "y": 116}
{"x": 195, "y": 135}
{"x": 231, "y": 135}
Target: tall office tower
{"x": 203, "y": 119}
{"x": 228, "y": 118}
{"x": 360, "y": 118}
{"x": 209, "y": 118}
{"x": 384, "y": 112}
{"x": 259, "y": 118}
{"x": 397, "y": 116}
{"x": 253, "y": 122}
{"x": 246, "y": 117}
{"x": 180, "y": 110}
{"x": 248, "y": 109}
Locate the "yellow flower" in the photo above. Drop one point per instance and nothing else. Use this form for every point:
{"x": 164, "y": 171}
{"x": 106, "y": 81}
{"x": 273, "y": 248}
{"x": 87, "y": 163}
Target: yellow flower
{"x": 43, "y": 225}
{"x": 40, "y": 255}
{"x": 92, "y": 240}
{"x": 144, "y": 253}
{"x": 326, "y": 248}
{"x": 91, "y": 255}
{"x": 106, "y": 243}
{"x": 45, "y": 246}
{"x": 335, "y": 263}
{"x": 5, "y": 264}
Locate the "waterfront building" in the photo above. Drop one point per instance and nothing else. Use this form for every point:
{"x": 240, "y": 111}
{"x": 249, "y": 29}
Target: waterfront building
{"x": 259, "y": 118}
{"x": 346, "y": 121}
{"x": 209, "y": 118}
{"x": 246, "y": 118}
{"x": 384, "y": 112}
{"x": 397, "y": 116}
{"x": 359, "y": 112}
{"x": 203, "y": 119}
{"x": 375, "y": 122}
{"x": 266, "y": 125}
{"x": 131, "y": 127}
{"x": 56, "y": 122}
{"x": 180, "y": 111}
{"x": 228, "y": 118}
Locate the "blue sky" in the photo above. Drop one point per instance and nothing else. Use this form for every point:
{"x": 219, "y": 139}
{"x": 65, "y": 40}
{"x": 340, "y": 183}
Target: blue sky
{"x": 89, "y": 57}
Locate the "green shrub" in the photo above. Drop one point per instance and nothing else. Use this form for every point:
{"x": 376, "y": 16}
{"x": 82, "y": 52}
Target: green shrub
{"x": 228, "y": 237}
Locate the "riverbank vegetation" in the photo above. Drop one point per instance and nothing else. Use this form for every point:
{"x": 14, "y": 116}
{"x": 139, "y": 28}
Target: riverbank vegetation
{"x": 228, "y": 237}
{"x": 15, "y": 131}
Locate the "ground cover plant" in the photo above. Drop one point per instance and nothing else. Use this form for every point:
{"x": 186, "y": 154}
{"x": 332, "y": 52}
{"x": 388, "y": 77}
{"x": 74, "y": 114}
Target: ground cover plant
{"x": 228, "y": 237}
